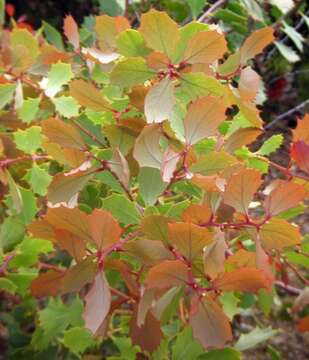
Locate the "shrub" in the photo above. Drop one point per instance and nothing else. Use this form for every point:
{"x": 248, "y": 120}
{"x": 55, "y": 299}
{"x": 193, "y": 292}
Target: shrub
{"x": 132, "y": 205}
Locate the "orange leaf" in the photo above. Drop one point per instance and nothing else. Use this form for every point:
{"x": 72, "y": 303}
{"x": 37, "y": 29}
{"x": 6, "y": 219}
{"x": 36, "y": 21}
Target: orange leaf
{"x": 241, "y": 137}
{"x": 243, "y": 279}
{"x": 249, "y": 84}
{"x": 241, "y": 258}
{"x": 208, "y": 183}
{"x": 205, "y": 47}
{"x": 203, "y": 118}
{"x": 98, "y": 301}
{"x": 41, "y": 229}
{"x": 284, "y": 196}
{"x": 167, "y": 274}
{"x": 278, "y": 234}
{"x": 47, "y": 284}
{"x": 255, "y": 43}
{"x": 71, "y": 31}
{"x": 104, "y": 228}
{"x": 189, "y": 239}
{"x": 240, "y": 189}
{"x": 74, "y": 245}
{"x": 210, "y": 325}
{"x": 303, "y": 324}
{"x": 301, "y": 133}
{"x": 300, "y": 153}
{"x": 88, "y": 95}
{"x": 72, "y": 220}
{"x": 197, "y": 214}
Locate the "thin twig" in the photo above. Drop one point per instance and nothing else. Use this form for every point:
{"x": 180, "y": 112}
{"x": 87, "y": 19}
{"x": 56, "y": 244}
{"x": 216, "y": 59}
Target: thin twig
{"x": 209, "y": 12}
{"x": 88, "y": 133}
{"x": 290, "y": 289}
{"x": 287, "y": 113}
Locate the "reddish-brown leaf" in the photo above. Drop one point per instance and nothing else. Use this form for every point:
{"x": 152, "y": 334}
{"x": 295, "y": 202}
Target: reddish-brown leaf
{"x": 47, "y": 284}
{"x": 243, "y": 279}
{"x": 41, "y": 229}
{"x": 212, "y": 183}
{"x": 104, "y": 228}
{"x": 203, "y": 118}
{"x": 63, "y": 134}
{"x": 205, "y": 47}
{"x": 98, "y": 302}
{"x": 148, "y": 335}
{"x": 167, "y": 274}
{"x": 71, "y": 31}
{"x": 214, "y": 255}
{"x": 73, "y": 244}
{"x": 300, "y": 153}
{"x": 278, "y": 234}
{"x": 240, "y": 259}
{"x": 285, "y": 195}
{"x": 149, "y": 252}
{"x": 210, "y": 325}
{"x": 72, "y": 220}
{"x": 240, "y": 189}
{"x": 76, "y": 277}
{"x": 189, "y": 239}
{"x": 64, "y": 188}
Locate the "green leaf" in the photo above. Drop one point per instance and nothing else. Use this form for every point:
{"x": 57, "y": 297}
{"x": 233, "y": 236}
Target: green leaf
{"x": 11, "y": 233}
{"x": 22, "y": 279}
{"x": 2, "y": 12}
{"x": 65, "y": 188}
{"x": 196, "y": 6}
{"x": 59, "y": 75}
{"x": 53, "y": 36}
{"x": 287, "y": 52}
{"x": 56, "y": 317}
{"x": 77, "y": 339}
{"x": 28, "y": 140}
{"x": 29, "y": 208}
{"x": 23, "y": 37}
{"x": 7, "y": 285}
{"x": 185, "y": 348}
{"x": 270, "y": 145}
{"x": 294, "y": 35}
{"x": 39, "y": 179}
{"x": 66, "y": 106}
{"x": 265, "y": 301}
{"x": 213, "y": 162}
{"x": 6, "y": 94}
{"x": 122, "y": 209}
{"x": 224, "y": 354}
{"x": 256, "y": 336}
{"x": 28, "y": 251}
{"x": 17, "y": 200}
{"x": 131, "y": 43}
{"x": 297, "y": 258}
{"x": 254, "y": 9}
{"x": 130, "y": 72}
{"x": 159, "y": 101}
{"x": 230, "y": 304}
{"x": 150, "y": 184}
{"x": 29, "y": 110}
{"x": 112, "y": 7}
{"x": 198, "y": 84}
